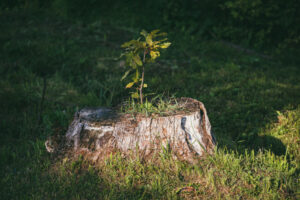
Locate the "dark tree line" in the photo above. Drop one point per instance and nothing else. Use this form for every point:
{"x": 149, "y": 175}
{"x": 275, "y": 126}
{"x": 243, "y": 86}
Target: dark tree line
{"x": 253, "y": 23}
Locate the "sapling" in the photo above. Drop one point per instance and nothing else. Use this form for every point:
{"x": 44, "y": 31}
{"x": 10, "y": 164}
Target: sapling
{"x": 145, "y": 49}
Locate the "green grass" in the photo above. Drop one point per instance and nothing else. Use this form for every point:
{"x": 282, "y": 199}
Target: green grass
{"x": 157, "y": 105}
{"x": 253, "y": 105}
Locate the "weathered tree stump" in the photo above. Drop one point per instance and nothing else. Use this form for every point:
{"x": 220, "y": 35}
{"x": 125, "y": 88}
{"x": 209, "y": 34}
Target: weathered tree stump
{"x": 98, "y": 132}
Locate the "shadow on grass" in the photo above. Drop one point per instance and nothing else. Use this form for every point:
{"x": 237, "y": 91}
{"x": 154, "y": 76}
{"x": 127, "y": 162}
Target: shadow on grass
{"x": 261, "y": 143}
{"x": 270, "y": 143}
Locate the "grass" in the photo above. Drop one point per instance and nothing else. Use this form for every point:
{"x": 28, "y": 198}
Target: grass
{"x": 158, "y": 105}
{"x": 253, "y": 105}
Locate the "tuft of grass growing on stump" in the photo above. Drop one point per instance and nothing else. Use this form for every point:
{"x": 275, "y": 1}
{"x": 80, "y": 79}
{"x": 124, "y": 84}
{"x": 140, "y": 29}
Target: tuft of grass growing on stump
{"x": 158, "y": 105}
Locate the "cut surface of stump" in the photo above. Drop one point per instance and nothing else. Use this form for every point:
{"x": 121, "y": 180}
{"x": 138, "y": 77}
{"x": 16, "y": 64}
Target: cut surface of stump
{"x": 97, "y": 132}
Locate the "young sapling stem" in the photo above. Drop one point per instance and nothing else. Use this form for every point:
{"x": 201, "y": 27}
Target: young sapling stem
{"x": 142, "y": 82}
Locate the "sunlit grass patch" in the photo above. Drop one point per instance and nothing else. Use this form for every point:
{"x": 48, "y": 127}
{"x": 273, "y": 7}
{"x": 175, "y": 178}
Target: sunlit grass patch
{"x": 287, "y": 129}
{"x": 223, "y": 175}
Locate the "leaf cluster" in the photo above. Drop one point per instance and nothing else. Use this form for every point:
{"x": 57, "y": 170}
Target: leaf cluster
{"x": 138, "y": 52}
{"x": 148, "y": 46}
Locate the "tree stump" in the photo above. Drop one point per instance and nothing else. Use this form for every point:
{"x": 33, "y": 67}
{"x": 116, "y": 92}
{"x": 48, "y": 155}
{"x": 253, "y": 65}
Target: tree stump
{"x": 97, "y": 132}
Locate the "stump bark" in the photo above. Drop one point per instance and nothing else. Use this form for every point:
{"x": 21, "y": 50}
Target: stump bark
{"x": 96, "y": 132}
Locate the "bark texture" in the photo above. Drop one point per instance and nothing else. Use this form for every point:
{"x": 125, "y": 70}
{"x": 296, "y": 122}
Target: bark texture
{"x": 98, "y": 132}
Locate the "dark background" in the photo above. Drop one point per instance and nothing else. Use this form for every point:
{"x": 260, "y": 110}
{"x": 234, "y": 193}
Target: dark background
{"x": 260, "y": 24}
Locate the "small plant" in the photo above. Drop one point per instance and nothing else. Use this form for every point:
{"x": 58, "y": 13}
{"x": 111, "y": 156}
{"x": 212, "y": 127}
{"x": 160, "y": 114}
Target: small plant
{"x": 140, "y": 52}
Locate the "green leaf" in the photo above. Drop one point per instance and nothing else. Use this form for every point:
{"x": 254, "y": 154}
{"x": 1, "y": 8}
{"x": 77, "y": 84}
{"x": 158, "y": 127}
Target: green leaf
{"x": 135, "y": 95}
{"x": 132, "y": 44}
{"x": 154, "y": 54}
{"x": 125, "y": 75}
{"x": 161, "y": 34}
{"x": 136, "y": 77}
{"x": 149, "y": 40}
{"x": 154, "y": 31}
{"x": 128, "y": 44}
{"x": 137, "y": 60}
{"x": 165, "y": 45}
{"x": 159, "y": 41}
{"x": 145, "y": 85}
{"x": 144, "y": 33}
{"x": 129, "y": 57}
{"x": 129, "y": 85}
